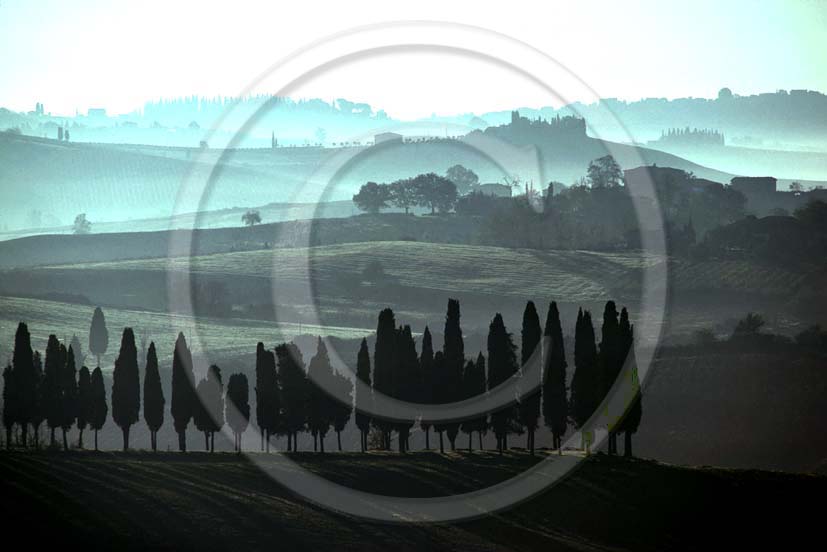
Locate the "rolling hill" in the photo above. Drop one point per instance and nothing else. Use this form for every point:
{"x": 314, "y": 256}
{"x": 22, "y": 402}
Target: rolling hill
{"x": 221, "y": 501}
{"x": 487, "y": 279}
{"x": 123, "y": 182}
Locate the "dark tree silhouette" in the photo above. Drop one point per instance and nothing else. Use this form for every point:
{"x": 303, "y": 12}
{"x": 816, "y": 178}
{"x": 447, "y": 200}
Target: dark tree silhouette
{"x": 183, "y": 392}
{"x": 9, "y": 406}
{"x": 403, "y": 194}
{"x": 611, "y": 359}
{"x": 473, "y": 384}
{"x": 428, "y": 380}
{"x": 209, "y": 410}
{"x": 748, "y": 327}
{"x": 153, "y": 396}
{"x": 604, "y": 172}
{"x": 464, "y": 179}
{"x": 530, "y": 400}
{"x": 251, "y": 217}
{"x": 454, "y": 350}
{"x": 25, "y": 381}
{"x": 238, "y": 406}
{"x": 634, "y": 412}
{"x": 55, "y": 359}
{"x": 384, "y": 362}
{"x": 502, "y": 366}
{"x": 586, "y": 384}
{"x": 405, "y": 379}
{"x": 363, "y": 399}
{"x": 555, "y": 407}
{"x": 68, "y": 393}
{"x": 84, "y": 403}
{"x": 372, "y": 197}
{"x": 439, "y": 392}
{"x": 99, "y": 409}
{"x": 436, "y": 192}
{"x": 293, "y": 381}
{"x": 98, "y": 335}
{"x": 267, "y": 395}
{"x": 81, "y": 224}
{"x": 319, "y": 402}
{"x": 39, "y": 410}
{"x": 342, "y": 409}
{"x": 126, "y": 386}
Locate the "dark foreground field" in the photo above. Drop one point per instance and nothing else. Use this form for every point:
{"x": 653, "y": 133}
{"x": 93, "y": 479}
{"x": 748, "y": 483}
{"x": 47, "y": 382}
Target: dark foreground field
{"x": 199, "y": 501}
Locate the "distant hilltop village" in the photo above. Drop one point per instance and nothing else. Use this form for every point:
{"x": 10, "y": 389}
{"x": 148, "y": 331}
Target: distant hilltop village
{"x": 559, "y": 129}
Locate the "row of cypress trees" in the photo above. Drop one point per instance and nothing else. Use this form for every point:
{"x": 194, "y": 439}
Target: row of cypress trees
{"x": 448, "y": 376}
{"x": 50, "y": 390}
{"x": 208, "y": 405}
{"x": 291, "y": 398}
{"x": 54, "y": 391}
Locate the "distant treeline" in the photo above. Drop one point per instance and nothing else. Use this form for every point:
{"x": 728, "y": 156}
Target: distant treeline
{"x": 291, "y": 397}
{"x": 691, "y": 137}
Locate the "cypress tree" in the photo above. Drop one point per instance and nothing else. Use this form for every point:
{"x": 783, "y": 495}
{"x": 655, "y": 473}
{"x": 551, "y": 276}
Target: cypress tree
{"x": 611, "y": 359}
{"x": 84, "y": 401}
{"x": 439, "y": 391}
{"x": 126, "y": 386}
{"x": 208, "y": 414}
{"x": 39, "y": 410}
{"x": 153, "y": 396}
{"x": 260, "y": 391}
{"x": 68, "y": 393}
{"x": 238, "y": 406}
{"x": 384, "y": 362}
{"x": 586, "y": 384}
{"x": 98, "y": 334}
{"x": 502, "y": 366}
{"x": 634, "y": 412}
{"x": 473, "y": 384}
{"x": 555, "y": 407}
{"x": 267, "y": 395}
{"x": 183, "y": 392}
{"x": 343, "y": 408}
{"x": 320, "y": 404}
{"x": 99, "y": 409}
{"x": 9, "y": 406}
{"x": 530, "y": 401}
{"x": 454, "y": 350}
{"x": 261, "y": 395}
{"x": 215, "y": 402}
{"x": 427, "y": 380}
{"x": 482, "y": 421}
{"x": 405, "y": 380}
{"x": 51, "y": 386}
{"x": 25, "y": 380}
{"x": 362, "y": 399}
{"x": 293, "y": 382}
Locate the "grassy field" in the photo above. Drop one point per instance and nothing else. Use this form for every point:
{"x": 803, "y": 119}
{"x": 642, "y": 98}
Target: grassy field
{"x": 222, "y": 501}
{"x": 224, "y": 337}
{"x": 485, "y": 279}
{"x": 578, "y": 275}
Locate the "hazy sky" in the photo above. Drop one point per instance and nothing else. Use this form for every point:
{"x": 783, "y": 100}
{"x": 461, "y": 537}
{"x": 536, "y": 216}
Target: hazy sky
{"x": 81, "y": 53}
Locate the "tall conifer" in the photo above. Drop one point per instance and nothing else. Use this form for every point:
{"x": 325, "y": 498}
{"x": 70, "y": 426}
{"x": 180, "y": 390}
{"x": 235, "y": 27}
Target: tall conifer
{"x": 126, "y": 386}
{"x": 555, "y": 407}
